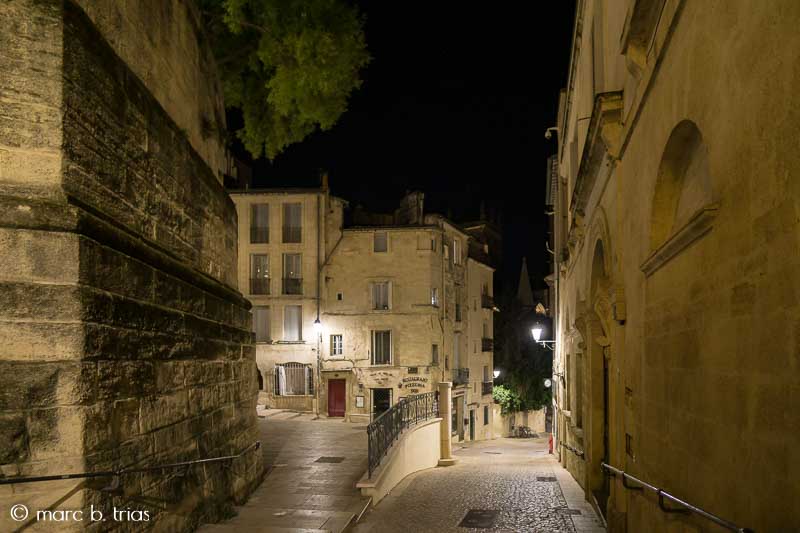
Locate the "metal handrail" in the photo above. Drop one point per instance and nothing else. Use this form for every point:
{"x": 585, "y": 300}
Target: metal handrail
{"x": 387, "y": 427}
{"x": 573, "y": 450}
{"x": 686, "y": 508}
{"x": 123, "y": 471}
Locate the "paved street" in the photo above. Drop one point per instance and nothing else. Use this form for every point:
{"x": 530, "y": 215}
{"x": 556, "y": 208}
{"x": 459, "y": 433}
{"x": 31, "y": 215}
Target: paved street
{"x": 303, "y": 492}
{"x": 515, "y": 477}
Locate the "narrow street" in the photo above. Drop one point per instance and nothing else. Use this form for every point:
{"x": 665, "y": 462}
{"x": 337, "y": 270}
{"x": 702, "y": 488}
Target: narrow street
{"x": 312, "y": 468}
{"x": 516, "y": 478}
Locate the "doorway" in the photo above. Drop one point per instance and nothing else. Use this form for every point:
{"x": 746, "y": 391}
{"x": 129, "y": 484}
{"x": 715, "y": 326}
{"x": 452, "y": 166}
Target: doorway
{"x": 381, "y": 401}
{"x": 472, "y": 424}
{"x": 336, "y": 397}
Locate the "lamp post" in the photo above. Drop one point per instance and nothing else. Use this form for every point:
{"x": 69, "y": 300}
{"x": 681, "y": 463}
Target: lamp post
{"x": 318, "y": 332}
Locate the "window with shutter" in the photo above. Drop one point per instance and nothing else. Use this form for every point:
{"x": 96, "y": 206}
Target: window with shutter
{"x": 292, "y": 323}
{"x": 259, "y": 223}
{"x": 292, "y": 223}
{"x": 380, "y": 295}
{"x": 261, "y": 323}
{"x": 381, "y": 347}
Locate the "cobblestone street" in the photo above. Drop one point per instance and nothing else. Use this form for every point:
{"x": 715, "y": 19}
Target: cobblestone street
{"x": 515, "y": 477}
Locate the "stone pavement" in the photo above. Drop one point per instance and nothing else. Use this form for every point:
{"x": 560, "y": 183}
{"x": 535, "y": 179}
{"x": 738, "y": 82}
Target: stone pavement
{"x": 301, "y": 493}
{"x": 518, "y": 478}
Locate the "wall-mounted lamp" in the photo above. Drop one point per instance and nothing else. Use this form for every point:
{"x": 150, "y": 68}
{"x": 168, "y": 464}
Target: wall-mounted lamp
{"x": 317, "y": 326}
{"x": 496, "y": 374}
{"x": 536, "y": 331}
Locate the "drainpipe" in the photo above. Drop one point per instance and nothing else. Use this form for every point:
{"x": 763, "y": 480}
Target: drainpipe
{"x": 318, "y": 333}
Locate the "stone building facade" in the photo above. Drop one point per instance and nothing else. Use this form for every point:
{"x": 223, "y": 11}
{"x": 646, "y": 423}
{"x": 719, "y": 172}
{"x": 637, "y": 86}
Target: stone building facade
{"x": 402, "y": 305}
{"x": 677, "y": 229}
{"x": 125, "y": 342}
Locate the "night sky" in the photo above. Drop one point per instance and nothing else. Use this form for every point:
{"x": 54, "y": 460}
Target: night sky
{"x": 454, "y": 103}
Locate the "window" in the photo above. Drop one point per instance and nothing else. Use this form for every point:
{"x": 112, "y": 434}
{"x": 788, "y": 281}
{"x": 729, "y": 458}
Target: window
{"x": 381, "y": 347}
{"x": 435, "y": 296}
{"x": 292, "y": 222}
{"x": 485, "y": 415}
{"x": 259, "y": 274}
{"x": 485, "y": 373}
{"x": 293, "y": 323}
{"x": 292, "y": 274}
{"x": 261, "y": 323}
{"x": 446, "y": 251}
{"x": 435, "y": 354}
{"x": 458, "y": 306}
{"x": 293, "y": 379}
{"x": 456, "y": 251}
{"x": 433, "y": 244}
{"x": 337, "y": 345}
{"x": 259, "y": 223}
{"x": 339, "y": 296}
{"x": 485, "y": 330}
{"x": 380, "y": 295}
{"x": 457, "y": 350}
{"x": 380, "y": 242}
{"x": 446, "y": 363}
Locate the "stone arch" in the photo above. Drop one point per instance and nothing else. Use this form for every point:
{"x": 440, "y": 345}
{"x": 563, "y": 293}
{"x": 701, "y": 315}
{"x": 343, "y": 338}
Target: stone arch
{"x": 683, "y": 184}
{"x": 596, "y": 327}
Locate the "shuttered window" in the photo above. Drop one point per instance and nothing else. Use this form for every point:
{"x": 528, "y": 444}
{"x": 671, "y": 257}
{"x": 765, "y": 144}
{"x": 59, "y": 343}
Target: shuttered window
{"x": 292, "y": 323}
{"x": 292, "y": 222}
{"x": 381, "y": 347}
{"x": 261, "y": 323}
{"x": 380, "y": 295}
{"x": 259, "y": 223}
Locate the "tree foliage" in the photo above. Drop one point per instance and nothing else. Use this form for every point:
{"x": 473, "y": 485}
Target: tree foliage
{"x": 288, "y": 65}
{"x": 509, "y": 399}
{"x": 525, "y": 365}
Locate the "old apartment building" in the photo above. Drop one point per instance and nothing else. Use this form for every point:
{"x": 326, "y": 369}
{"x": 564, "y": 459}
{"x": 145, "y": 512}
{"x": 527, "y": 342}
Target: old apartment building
{"x": 677, "y": 229}
{"x": 349, "y": 318}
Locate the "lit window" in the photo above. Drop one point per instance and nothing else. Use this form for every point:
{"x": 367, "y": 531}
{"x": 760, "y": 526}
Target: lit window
{"x": 435, "y": 297}
{"x": 336, "y": 345}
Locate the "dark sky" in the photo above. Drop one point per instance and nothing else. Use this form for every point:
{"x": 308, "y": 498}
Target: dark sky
{"x": 455, "y": 103}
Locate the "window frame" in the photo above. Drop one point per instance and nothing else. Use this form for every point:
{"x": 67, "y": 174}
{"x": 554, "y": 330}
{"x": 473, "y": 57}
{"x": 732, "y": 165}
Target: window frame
{"x": 265, "y": 309}
{"x": 372, "y": 358}
{"x": 299, "y": 325}
{"x": 334, "y": 344}
{"x": 253, "y": 227}
{"x": 285, "y": 228}
{"x": 385, "y": 242}
{"x": 373, "y": 287}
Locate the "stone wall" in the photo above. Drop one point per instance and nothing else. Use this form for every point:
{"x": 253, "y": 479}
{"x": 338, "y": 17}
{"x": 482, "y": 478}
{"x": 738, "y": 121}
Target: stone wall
{"x": 124, "y": 340}
{"x": 682, "y": 273}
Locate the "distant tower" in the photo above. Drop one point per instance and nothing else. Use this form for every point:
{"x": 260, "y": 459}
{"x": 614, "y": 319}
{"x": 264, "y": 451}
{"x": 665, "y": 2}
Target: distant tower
{"x": 524, "y": 292}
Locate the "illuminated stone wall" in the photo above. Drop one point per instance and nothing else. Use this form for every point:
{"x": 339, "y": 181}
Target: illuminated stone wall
{"x": 679, "y": 259}
{"x": 124, "y": 340}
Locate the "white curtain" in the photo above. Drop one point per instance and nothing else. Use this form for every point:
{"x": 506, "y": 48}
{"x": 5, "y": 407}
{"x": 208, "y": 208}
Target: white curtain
{"x": 281, "y": 379}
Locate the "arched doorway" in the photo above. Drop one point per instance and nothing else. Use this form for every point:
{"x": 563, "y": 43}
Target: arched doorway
{"x": 598, "y": 357}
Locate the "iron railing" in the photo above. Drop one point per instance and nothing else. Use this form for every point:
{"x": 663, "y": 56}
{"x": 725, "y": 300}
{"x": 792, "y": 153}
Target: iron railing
{"x": 124, "y": 471}
{"x": 460, "y": 376}
{"x": 570, "y": 448}
{"x": 487, "y": 344}
{"x": 259, "y": 285}
{"x": 685, "y": 508}
{"x": 386, "y": 429}
{"x": 292, "y": 285}
{"x": 486, "y": 387}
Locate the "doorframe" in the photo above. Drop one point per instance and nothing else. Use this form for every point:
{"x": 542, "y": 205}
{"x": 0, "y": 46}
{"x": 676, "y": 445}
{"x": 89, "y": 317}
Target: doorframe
{"x": 372, "y": 400}
{"x": 344, "y": 380}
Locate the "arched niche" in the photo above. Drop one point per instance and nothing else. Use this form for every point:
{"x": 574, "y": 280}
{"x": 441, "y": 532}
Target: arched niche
{"x": 683, "y": 206}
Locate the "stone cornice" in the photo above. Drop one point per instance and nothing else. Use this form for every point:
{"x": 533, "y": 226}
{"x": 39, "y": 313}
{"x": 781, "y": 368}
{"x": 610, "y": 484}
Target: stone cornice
{"x": 700, "y": 224}
{"x": 601, "y": 139}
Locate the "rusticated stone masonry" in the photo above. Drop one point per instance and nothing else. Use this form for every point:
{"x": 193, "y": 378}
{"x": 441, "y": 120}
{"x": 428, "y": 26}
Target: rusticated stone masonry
{"x": 123, "y": 339}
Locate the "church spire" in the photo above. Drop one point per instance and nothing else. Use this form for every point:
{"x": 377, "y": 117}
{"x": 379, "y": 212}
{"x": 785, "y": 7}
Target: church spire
{"x": 524, "y": 292}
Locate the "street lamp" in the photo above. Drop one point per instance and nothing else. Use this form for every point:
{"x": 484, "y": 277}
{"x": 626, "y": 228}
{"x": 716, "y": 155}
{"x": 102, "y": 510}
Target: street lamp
{"x": 536, "y": 331}
{"x": 496, "y": 374}
{"x": 318, "y": 326}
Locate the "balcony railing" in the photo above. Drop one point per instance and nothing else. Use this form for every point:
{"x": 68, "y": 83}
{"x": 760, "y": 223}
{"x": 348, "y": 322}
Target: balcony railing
{"x": 259, "y": 235}
{"x": 460, "y": 376}
{"x": 259, "y": 285}
{"x": 292, "y": 285}
{"x": 487, "y": 302}
{"x": 487, "y": 344}
{"x": 486, "y": 388}
{"x": 386, "y": 429}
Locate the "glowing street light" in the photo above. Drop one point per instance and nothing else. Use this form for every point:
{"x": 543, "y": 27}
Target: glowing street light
{"x": 496, "y": 374}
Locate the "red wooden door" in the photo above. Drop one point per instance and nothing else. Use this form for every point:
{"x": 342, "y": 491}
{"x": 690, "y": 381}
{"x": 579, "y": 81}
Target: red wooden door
{"x": 336, "y": 397}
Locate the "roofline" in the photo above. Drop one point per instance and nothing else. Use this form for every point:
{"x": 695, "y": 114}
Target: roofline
{"x": 405, "y": 227}
{"x": 486, "y": 265}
